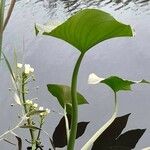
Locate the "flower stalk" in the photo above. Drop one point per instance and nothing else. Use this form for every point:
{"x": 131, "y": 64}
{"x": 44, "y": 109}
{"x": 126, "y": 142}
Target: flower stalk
{"x": 29, "y": 121}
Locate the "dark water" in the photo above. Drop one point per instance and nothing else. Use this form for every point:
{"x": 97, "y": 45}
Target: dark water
{"x": 53, "y": 61}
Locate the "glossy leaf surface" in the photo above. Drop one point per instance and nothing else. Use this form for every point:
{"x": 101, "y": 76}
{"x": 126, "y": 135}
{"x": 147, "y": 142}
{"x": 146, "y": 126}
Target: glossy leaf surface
{"x": 63, "y": 95}
{"x": 89, "y": 27}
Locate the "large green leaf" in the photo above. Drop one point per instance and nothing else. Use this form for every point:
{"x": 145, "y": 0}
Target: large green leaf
{"x": 89, "y": 27}
{"x": 63, "y": 94}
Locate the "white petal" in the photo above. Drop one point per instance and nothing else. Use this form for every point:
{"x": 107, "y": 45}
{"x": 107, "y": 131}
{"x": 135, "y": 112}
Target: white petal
{"x": 27, "y": 68}
{"x": 47, "y": 110}
{"x": 41, "y": 108}
{"x": 94, "y": 79}
{"x": 32, "y": 70}
{"x": 35, "y": 105}
{"x": 17, "y": 99}
{"x": 19, "y": 65}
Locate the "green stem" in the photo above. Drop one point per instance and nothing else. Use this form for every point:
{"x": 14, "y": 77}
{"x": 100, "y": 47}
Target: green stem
{"x": 41, "y": 123}
{"x": 103, "y": 128}
{"x": 29, "y": 121}
{"x": 2, "y": 6}
{"x": 67, "y": 124}
{"x": 74, "y": 118}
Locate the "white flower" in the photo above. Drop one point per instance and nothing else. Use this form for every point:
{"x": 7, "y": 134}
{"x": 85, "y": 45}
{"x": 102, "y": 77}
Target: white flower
{"x": 28, "y": 69}
{"x": 94, "y": 79}
{"x": 29, "y": 102}
{"x": 19, "y": 65}
{"x": 35, "y": 105}
{"x": 41, "y": 108}
{"x": 17, "y": 99}
{"x": 47, "y": 110}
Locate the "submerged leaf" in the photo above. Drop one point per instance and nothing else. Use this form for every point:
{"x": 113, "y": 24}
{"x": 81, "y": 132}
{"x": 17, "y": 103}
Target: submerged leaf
{"x": 89, "y": 27}
{"x": 130, "y": 138}
{"x": 111, "y": 133}
{"x": 63, "y": 94}
{"x": 59, "y": 135}
{"x": 112, "y": 139}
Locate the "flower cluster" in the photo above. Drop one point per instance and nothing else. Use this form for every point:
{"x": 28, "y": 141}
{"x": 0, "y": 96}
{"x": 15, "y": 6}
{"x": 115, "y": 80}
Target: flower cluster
{"x": 34, "y": 106}
{"x": 27, "y": 68}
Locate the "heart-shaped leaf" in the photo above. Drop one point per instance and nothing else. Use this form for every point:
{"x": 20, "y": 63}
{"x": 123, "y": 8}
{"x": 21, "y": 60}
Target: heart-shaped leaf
{"x": 114, "y": 82}
{"x": 59, "y": 135}
{"x": 89, "y": 27}
{"x": 112, "y": 139}
{"x": 111, "y": 133}
{"x": 63, "y": 94}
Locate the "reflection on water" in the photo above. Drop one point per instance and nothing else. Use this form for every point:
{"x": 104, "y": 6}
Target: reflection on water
{"x": 74, "y": 5}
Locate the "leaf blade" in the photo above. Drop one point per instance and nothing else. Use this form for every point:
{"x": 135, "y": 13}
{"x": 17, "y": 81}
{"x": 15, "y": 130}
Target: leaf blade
{"x": 89, "y": 27}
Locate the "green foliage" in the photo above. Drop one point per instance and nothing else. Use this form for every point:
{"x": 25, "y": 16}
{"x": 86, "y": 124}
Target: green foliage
{"x": 89, "y": 27}
{"x": 63, "y": 95}
{"x": 118, "y": 84}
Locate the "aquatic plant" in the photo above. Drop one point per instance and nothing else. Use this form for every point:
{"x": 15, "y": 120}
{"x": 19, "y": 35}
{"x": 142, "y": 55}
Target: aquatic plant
{"x": 84, "y": 30}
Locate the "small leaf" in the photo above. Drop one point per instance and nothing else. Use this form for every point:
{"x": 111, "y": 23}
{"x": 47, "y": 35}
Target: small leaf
{"x": 114, "y": 82}
{"x": 30, "y": 127}
{"x": 117, "y": 84}
{"x": 19, "y": 142}
{"x": 60, "y": 140}
{"x": 63, "y": 94}
{"x": 9, "y": 66}
{"x": 89, "y": 27}
{"x": 130, "y": 138}
{"x": 59, "y": 135}
{"x": 36, "y": 30}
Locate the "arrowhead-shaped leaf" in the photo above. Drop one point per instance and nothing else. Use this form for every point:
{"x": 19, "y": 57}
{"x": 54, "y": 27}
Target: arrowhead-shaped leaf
{"x": 114, "y": 82}
{"x": 59, "y": 135}
{"x": 130, "y": 138}
{"x": 63, "y": 94}
{"x": 112, "y": 139}
{"x": 117, "y": 84}
{"x": 111, "y": 133}
{"x": 89, "y": 27}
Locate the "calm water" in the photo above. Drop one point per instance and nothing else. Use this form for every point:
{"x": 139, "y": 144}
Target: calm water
{"x": 53, "y": 61}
